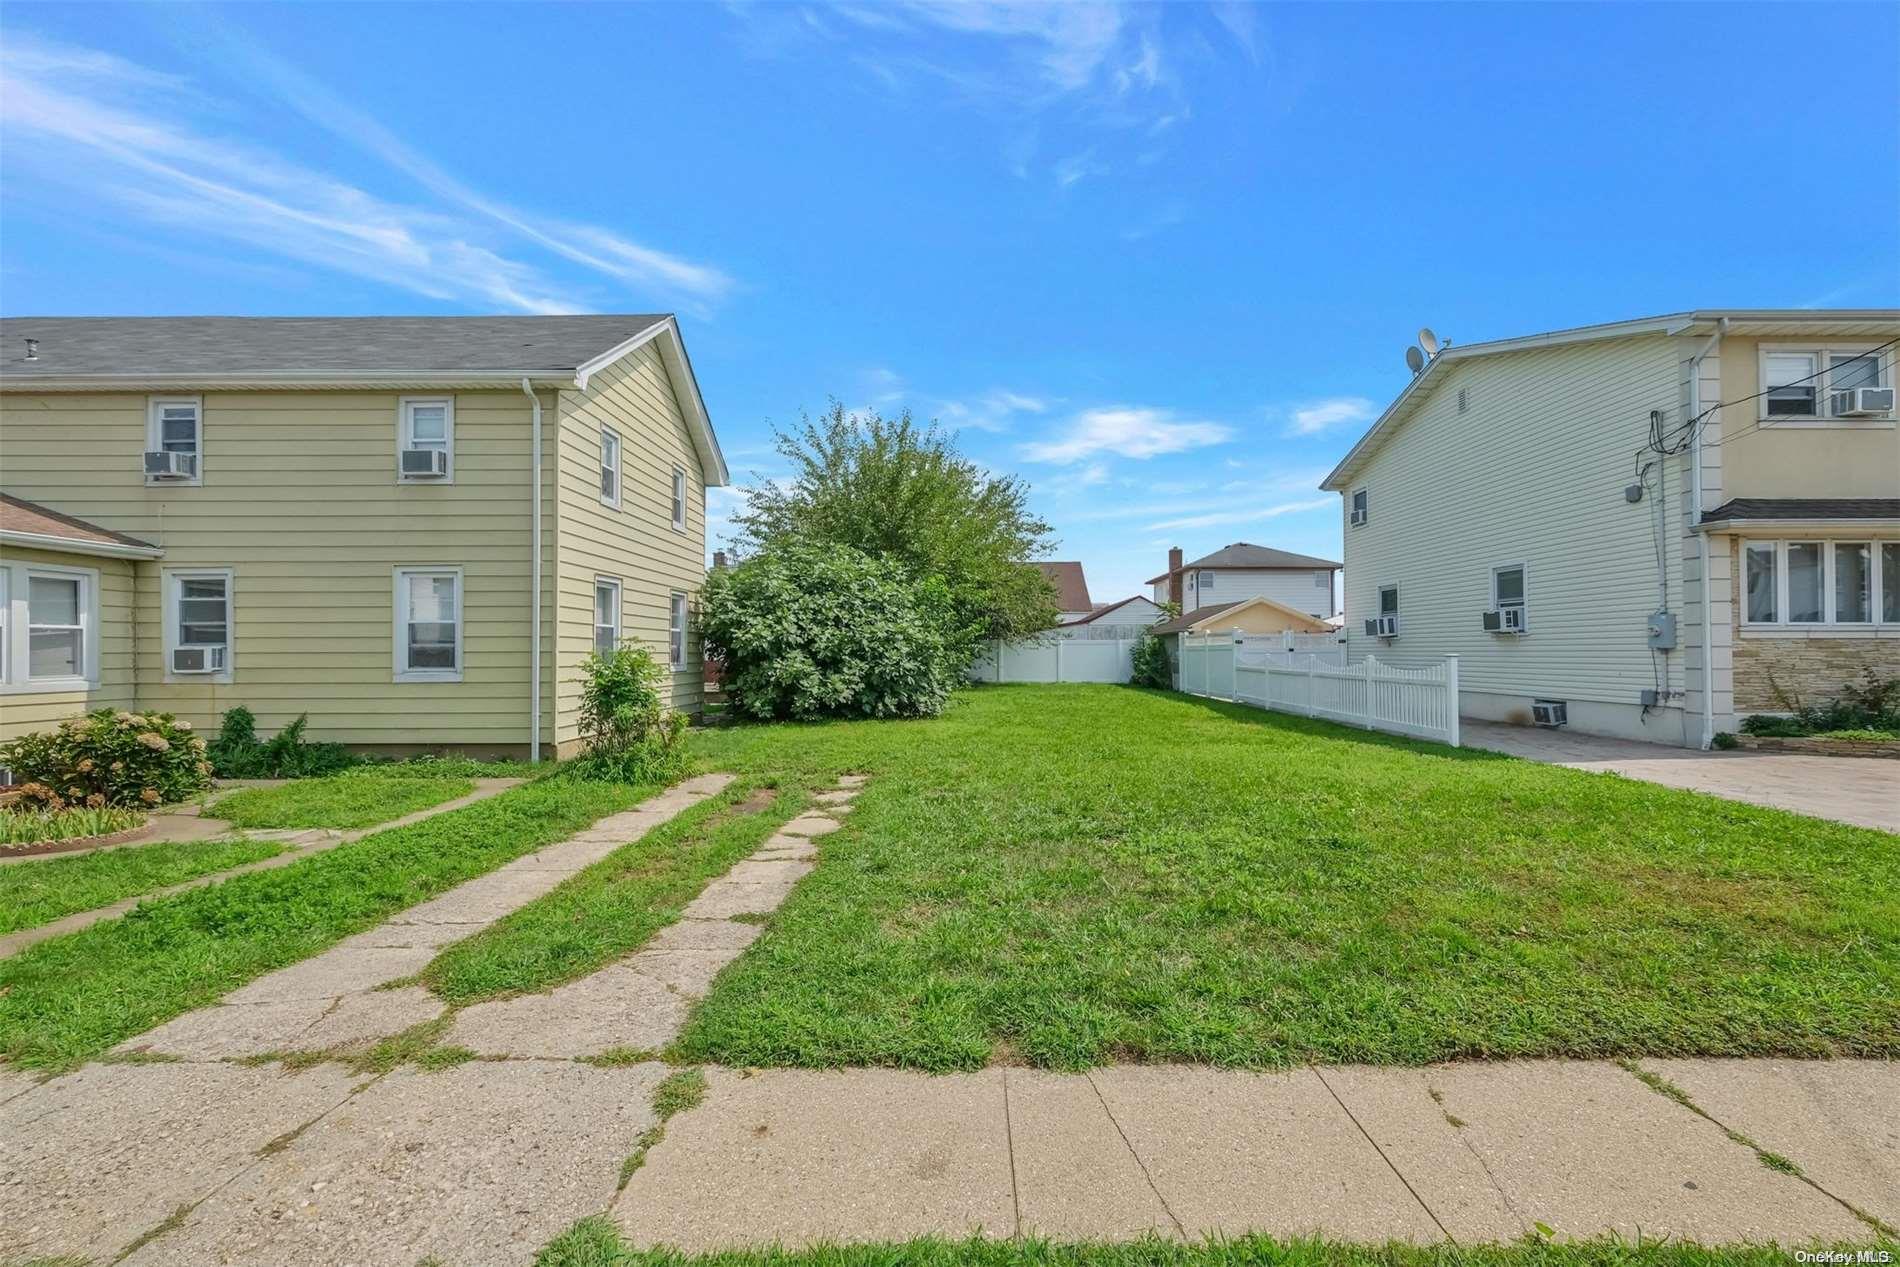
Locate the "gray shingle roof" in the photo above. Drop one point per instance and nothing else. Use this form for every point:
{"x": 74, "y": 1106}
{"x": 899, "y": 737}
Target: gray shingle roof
{"x": 1805, "y": 508}
{"x": 85, "y": 346}
{"x": 1244, "y": 554}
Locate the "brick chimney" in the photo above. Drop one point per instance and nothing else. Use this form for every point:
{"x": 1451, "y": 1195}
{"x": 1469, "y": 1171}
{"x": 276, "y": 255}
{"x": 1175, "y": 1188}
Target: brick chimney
{"x": 1174, "y": 575}
{"x": 719, "y": 559}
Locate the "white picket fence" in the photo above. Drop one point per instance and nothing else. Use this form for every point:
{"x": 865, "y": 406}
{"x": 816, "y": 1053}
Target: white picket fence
{"x": 1420, "y": 699}
{"x": 1057, "y": 659}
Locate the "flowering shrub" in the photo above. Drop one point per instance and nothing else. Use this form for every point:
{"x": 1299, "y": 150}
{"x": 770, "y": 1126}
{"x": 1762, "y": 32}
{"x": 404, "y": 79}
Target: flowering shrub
{"x": 109, "y": 758}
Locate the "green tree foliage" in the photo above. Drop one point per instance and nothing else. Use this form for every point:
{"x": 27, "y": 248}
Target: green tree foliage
{"x": 631, "y": 735}
{"x": 1151, "y": 665}
{"x": 892, "y": 489}
{"x": 807, "y": 630}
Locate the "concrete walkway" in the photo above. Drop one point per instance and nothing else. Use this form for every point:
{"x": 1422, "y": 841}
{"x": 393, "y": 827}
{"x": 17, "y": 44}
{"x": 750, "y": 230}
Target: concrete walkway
{"x": 301, "y": 845}
{"x": 1858, "y": 790}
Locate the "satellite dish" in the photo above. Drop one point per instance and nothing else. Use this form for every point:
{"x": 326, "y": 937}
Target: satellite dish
{"x": 1428, "y": 341}
{"x": 1414, "y": 360}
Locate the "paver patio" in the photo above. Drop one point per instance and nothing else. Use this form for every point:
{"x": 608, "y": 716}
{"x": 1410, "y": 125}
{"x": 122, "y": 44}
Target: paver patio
{"x": 1863, "y": 791}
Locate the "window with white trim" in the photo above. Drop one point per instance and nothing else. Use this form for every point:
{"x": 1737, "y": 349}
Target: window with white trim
{"x": 198, "y": 621}
{"x": 1792, "y": 583}
{"x": 1802, "y": 384}
{"x": 175, "y": 425}
{"x": 606, "y": 614}
{"x": 426, "y": 424}
{"x": 1507, "y": 586}
{"x": 57, "y": 633}
{"x": 1359, "y": 506}
{"x": 679, "y": 500}
{"x": 676, "y": 631}
{"x": 610, "y": 467}
{"x": 428, "y": 624}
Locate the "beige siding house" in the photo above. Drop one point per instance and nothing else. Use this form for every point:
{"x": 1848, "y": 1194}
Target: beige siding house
{"x": 1244, "y": 570}
{"x": 340, "y": 516}
{"x": 1547, "y": 508}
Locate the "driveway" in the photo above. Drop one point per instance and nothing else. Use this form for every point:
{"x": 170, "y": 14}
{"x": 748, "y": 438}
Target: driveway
{"x": 1864, "y": 791}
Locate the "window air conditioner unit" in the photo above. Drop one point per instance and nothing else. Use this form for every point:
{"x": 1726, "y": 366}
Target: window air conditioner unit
{"x": 1382, "y": 627}
{"x": 1358, "y": 517}
{"x": 198, "y": 659}
{"x": 1509, "y": 620}
{"x": 425, "y": 464}
{"x": 1550, "y": 712}
{"x": 1861, "y": 402}
{"x": 171, "y": 466}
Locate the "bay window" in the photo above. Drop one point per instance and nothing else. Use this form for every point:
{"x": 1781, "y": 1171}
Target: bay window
{"x": 1789, "y": 583}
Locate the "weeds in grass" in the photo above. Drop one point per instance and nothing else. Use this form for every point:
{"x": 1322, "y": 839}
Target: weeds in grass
{"x": 436, "y": 1059}
{"x": 340, "y": 802}
{"x": 400, "y": 1049}
{"x": 40, "y": 890}
{"x": 679, "y": 1092}
{"x": 619, "y": 1057}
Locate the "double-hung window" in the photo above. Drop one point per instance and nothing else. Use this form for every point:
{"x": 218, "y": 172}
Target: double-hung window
{"x": 1507, "y": 587}
{"x": 1816, "y": 386}
{"x": 676, "y": 631}
{"x": 428, "y": 624}
{"x": 1359, "y": 506}
{"x": 6, "y": 626}
{"x": 679, "y": 500}
{"x": 59, "y": 630}
{"x": 1790, "y": 583}
{"x": 174, "y": 440}
{"x": 198, "y": 623}
{"x": 606, "y": 614}
{"x": 610, "y": 467}
{"x": 426, "y": 428}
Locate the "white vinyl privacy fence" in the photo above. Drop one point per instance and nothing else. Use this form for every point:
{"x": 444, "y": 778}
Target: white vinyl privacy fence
{"x": 1056, "y": 659}
{"x": 1418, "y": 699}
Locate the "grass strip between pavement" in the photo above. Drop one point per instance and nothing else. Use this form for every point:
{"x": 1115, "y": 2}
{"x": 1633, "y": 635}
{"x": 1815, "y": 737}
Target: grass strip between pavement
{"x": 40, "y": 890}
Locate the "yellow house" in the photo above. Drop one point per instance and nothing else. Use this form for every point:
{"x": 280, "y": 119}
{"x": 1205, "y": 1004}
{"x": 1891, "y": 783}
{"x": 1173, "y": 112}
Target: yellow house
{"x": 1256, "y": 615}
{"x": 412, "y": 528}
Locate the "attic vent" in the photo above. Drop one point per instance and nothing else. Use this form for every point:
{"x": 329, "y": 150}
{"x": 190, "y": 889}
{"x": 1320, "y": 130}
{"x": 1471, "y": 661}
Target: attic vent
{"x": 1463, "y": 401}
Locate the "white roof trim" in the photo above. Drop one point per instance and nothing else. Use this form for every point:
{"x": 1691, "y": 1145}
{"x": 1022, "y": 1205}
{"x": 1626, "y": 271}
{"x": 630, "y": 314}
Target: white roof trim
{"x": 293, "y": 379}
{"x": 1751, "y": 523}
{"x": 680, "y": 367}
{"x": 74, "y": 545}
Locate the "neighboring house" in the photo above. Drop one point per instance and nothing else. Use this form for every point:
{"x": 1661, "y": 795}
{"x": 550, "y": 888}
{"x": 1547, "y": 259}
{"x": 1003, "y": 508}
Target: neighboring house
{"x": 1126, "y": 619}
{"x": 1542, "y": 507}
{"x": 1244, "y": 616}
{"x": 1072, "y": 589}
{"x": 1241, "y": 570}
{"x": 340, "y": 516}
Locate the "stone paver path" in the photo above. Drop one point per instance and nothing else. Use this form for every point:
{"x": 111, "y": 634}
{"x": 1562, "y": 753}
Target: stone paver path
{"x": 332, "y": 1001}
{"x": 302, "y": 845}
{"x": 1862, "y": 791}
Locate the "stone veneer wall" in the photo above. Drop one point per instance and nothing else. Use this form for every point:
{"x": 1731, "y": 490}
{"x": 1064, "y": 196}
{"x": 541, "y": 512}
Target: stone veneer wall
{"x": 1809, "y": 669}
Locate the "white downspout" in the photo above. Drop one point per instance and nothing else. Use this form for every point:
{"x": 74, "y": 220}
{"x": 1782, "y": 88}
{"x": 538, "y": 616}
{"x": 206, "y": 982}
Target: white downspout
{"x": 534, "y": 584}
{"x": 1702, "y": 538}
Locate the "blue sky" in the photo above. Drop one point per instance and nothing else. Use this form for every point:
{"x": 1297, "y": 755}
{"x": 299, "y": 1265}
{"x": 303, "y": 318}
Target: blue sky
{"x": 1161, "y": 261}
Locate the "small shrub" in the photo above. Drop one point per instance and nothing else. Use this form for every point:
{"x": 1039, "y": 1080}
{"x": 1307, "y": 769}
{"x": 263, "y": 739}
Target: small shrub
{"x": 1151, "y": 663}
{"x": 109, "y": 758}
{"x": 1771, "y": 724}
{"x": 237, "y": 753}
{"x": 34, "y": 827}
{"x": 631, "y": 735}
{"x": 1871, "y": 704}
{"x": 1726, "y": 741}
{"x": 1863, "y": 735}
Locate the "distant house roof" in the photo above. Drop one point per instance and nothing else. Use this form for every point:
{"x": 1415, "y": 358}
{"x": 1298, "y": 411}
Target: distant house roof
{"x": 26, "y": 523}
{"x": 1244, "y": 554}
{"x": 157, "y": 353}
{"x": 1100, "y": 612}
{"x": 1202, "y": 615}
{"x": 1072, "y": 588}
{"x": 1782, "y": 509}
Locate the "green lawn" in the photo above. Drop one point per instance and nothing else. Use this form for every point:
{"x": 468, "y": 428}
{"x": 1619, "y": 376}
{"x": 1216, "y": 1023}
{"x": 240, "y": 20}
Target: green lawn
{"x": 1077, "y": 875}
{"x": 38, "y": 891}
{"x": 594, "y": 1243}
{"x": 71, "y": 998}
{"x": 614, "y": 906}
{"x": 341, "y": 801}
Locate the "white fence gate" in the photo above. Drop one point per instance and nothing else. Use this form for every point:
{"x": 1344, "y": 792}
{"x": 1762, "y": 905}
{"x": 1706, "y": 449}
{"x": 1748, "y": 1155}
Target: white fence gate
{"x": 1056, "y": 659}
{"x": 1419, "y": 700}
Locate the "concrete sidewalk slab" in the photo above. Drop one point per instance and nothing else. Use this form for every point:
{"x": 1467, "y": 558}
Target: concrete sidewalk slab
{"x": 1076, "y": 1178}
{"x": 479, "y": 1164}
{"x": 338, "y": 970}
{"x": 798, "y": 1156}
{"x": 230, "y": 1031}
{"x": 1587, "y": 1149}
{"x": 1839, "y": 1120}
{"x": 615, "y": 1007}
{"x": 723, "y": 898}
{"x": 1233, "y": 1152}
{"x": 810, "y": 825}
{"x": 93, "y": 1160}
{"x": 1395, "y": 1109}
{"x": 360, "y": 1020}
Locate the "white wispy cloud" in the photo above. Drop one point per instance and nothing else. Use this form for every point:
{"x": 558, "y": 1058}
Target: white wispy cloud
{"x": 111, "y": 129}
{"x": 1129, "y": 431}
{"x": 1241, "y": 515}
{"x": 1334, "y": 411}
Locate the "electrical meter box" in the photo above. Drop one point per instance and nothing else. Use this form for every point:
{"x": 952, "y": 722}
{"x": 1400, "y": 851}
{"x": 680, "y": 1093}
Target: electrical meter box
{"x": 1662, "y": 631}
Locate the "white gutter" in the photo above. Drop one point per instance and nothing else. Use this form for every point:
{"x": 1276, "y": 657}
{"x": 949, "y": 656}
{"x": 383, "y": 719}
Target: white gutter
{"x": 76, "y": 545}
{"x": 1702, "y": 538}
{"x": 534, "y": 583}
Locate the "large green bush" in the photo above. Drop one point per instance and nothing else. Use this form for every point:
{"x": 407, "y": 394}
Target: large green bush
{"x": 109, "y": 758}
{"x": 1151, "y": 664}
{"x": 631, "y": 735}
{"x": 808, "y": 631}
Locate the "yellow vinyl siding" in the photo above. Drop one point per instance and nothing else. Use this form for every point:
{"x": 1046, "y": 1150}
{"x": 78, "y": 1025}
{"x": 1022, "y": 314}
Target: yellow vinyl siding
{"x": 1764, "y": 460}
{"x": 636, "y": 543}
{"x": 300, "y": 500}
{"x": 23, "y": 710}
